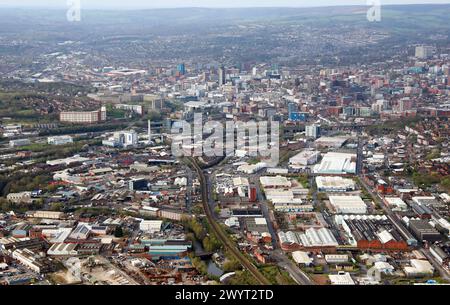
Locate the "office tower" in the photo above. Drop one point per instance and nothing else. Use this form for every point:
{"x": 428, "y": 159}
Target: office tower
{"x": 424, "y": 52}
{"x": 313, "y": 131}
{"x": 181, "y": 69}
{"x": 221, "y": 75}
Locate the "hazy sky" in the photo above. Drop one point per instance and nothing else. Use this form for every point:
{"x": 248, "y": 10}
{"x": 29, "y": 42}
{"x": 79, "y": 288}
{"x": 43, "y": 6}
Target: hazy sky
{"x": 130, "y": 4}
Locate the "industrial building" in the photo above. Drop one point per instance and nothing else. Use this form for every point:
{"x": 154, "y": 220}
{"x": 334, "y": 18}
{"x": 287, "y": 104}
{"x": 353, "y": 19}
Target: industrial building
{"x": 22, "y": 197}
{"x": 396, "y": 203}
{"x": 275, "y": 182}
{"x": 62, "y": 249}
{"x": 19, "y": 143}
{"x": 122, "y": 139}
{"x": 419, "y": 268}
{"x": 342, "y": 278}
{"x": 302, "y": 258}
{"x": 59, "y": 140}
{"x": 304, "y": 158}
{"x": 315, "y": 240}
{"x": 83, "y": 117}
{"x": 348, "y": 204}
{"x": 150, "y": 226}
{"x": 375, "y": 233}
{"x": 32, "y": 261}
{"x": 333, "y": 142}
{"x": 334, "y": 163}
{"x": 334, "y": 184}
{"x": 422, "y": 230}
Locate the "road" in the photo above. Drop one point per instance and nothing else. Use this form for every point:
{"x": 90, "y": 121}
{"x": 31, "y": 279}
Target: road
{"x": 400, "y": 227}
{"x": 218, "y": 231}
{"x": 298, "y": 275}
{"x": 264, "y": 209}
{"x": 443, "y": 272}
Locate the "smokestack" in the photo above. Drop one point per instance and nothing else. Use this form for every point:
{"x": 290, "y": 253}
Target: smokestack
{"x": 149, "y": 132}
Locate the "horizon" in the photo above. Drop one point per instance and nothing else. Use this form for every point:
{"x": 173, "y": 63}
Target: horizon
{"x": 206, "y": 4}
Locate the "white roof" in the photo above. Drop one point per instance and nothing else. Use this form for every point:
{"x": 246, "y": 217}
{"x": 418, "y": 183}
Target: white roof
{"x": 150, "y": 225}
{"x": 422, "y": 265}
{"x": 334, "y": 182}
{"x": 240, "y": 181}
{"x": 260, "y": 221}
{"x": 277, "y": 181}
{"x": 385, "y": 236}
{"x": 301, "y": 257}
{"x": 304, "y": 154}
{"x": 395, "y": 201}
{"x": 336, "y": 163}
{"x": 348, "y": 204}
{"x": 341, "y": 279}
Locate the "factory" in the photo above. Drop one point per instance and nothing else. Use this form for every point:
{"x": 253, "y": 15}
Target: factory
{"x": 275, "y": 182}
{"x": 396, "y": 203}
{"x": 150, "y": 226}
{"x": 334, "y": 184}
{"x": 422, "y": 230}
{"x": 304, "y": 158}
{"x": 348, "y": 204}
{"x": 333, "y": 142}
{"x": 335, "y": 163}
{"x": 59, "y": 140}
{"x": 375, "y": 233}
{"x": 313, "y": 240}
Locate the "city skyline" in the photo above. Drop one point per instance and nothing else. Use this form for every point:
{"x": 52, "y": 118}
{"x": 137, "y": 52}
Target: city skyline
{"x": 141, "y": 4}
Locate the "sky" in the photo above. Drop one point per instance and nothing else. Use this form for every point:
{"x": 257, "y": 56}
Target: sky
{"x": 135, "y": 4}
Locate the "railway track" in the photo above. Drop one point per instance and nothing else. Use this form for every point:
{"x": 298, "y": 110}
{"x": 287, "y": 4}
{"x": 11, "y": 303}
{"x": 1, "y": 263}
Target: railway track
{"x": 218, "y": 230}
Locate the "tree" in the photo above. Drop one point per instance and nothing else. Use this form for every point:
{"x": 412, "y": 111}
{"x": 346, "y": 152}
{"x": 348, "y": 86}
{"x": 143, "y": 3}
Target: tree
{"x": 57, "y": 206}
{"x": 154, "y": 115}
{"x": 118, "y": 232}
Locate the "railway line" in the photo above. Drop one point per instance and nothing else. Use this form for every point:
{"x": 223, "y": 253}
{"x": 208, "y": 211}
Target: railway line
{"x": 221, "y": 235}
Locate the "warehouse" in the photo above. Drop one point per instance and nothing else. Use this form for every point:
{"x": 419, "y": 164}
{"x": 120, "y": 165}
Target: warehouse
{"x": 81, "y": 232}
{"x": 295, "y": 206}
{"x": 376, "y": 233}
{"x": 342, "y": 278}
{"x": 32, "y": 261}
{"x": 61, "y": 249}
{"x": 348, "y": 204}
{"x": 315, "y": 240}
{"x": 334, "y": 184}
{"x": 305, "y": 157}
{"x": 419, "y": 268}
{"x": 336, "y": 258}
{"x": 150, "y": 226}
{"x": 302, "y": 258}
{"x": 441, "y": 256}
{"x": 335, "y": 142}
{"x": 396, "y": 203}
{"x": 334, "y": 163}
{"x": 275, "y": 182}
{"x": 276, "y": 194}
{"x": 424, "y": 231}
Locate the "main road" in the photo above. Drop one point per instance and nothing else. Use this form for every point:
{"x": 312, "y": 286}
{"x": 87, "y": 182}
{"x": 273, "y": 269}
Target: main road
{"x": 219, "y": 232}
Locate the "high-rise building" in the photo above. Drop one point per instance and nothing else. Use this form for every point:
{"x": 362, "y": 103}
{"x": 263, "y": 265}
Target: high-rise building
{"x": 405, "y": 104}
{"x": 181, "y": 69}
{"x": 312, "y": 131}
{"x": 424, "y": 52}
{"x": 88, "y": 117}
{"x": 222, "y": 76}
